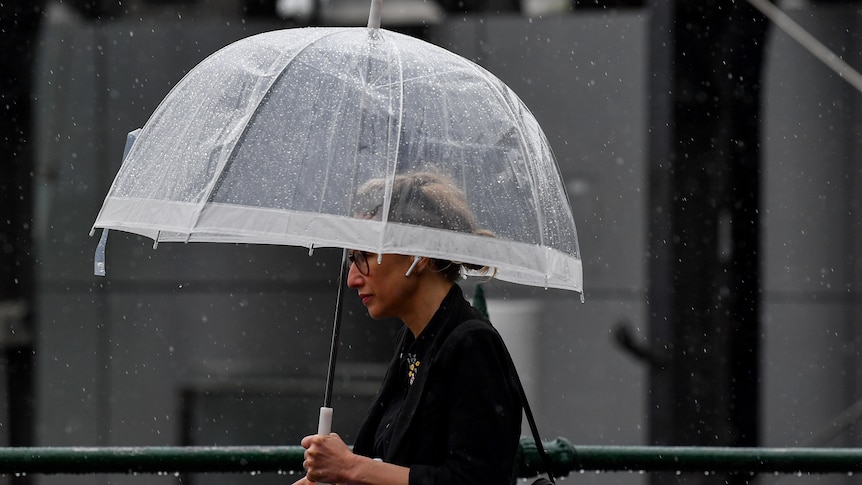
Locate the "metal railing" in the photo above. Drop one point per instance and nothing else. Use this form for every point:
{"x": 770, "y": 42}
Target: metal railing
{"x": 565, "y": 457}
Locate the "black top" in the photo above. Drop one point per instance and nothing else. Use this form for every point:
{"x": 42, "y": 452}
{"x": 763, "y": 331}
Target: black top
{"x": 448, "y": 407}
{"x": 410, "y": 357}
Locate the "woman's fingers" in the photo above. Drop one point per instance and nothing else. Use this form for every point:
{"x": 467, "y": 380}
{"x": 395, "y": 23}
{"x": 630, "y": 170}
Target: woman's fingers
{"x": 324, "y": 457}
{"x": 306, "y": 442}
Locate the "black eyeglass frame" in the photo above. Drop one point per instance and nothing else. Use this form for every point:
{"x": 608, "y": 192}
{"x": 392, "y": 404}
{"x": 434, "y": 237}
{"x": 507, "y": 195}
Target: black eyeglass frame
{"x": 359, "y": 258}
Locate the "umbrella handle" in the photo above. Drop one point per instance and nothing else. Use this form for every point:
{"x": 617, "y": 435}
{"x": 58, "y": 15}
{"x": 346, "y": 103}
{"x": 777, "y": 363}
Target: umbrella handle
{"x": 324, "y": 425}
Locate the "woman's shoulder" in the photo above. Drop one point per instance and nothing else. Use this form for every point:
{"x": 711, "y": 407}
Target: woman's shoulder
{"x": 470, "y": 348}
{"x": 472, "y": 333}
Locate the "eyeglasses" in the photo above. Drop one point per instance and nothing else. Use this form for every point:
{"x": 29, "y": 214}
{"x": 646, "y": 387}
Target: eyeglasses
{"x": 360, "y": 259}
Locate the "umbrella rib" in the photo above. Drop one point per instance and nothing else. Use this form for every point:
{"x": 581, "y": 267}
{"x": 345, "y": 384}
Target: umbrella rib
{"x": 532, "y": 173}
{"x": 391, "y": 167}
{"x": 416, "y": 78}
{"x": 355, "y": 169}
{"x": 354, "y": 178}
{"x": 540, "y": 219}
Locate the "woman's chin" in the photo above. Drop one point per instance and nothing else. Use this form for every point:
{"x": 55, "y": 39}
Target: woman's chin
{"x": 377, "y": 313}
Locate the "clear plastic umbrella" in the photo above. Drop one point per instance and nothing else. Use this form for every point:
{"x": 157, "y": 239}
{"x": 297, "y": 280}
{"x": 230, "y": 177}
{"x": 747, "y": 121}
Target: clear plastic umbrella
{"x": 276, "y": 139}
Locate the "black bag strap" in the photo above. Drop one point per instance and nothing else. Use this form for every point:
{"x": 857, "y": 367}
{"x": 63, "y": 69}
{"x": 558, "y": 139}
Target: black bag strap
{"x": 540, "y": 448}
{"x": 480, "y": 304}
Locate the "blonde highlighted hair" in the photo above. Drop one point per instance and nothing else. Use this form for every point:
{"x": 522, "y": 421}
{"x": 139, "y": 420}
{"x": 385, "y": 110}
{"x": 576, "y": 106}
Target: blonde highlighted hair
{"x": 426, "y": 199}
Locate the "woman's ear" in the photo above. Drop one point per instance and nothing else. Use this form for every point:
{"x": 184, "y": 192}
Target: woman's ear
{"x": 416, "y": 260}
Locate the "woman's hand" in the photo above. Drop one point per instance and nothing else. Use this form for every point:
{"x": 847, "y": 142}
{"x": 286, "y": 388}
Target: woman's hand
{"x": 327, "y": 459}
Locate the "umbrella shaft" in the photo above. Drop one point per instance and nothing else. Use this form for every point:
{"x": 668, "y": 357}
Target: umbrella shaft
{"x": 336, "y": 330}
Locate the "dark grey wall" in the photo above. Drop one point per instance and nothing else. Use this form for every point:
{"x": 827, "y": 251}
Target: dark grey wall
{"x": 812, "y": 240}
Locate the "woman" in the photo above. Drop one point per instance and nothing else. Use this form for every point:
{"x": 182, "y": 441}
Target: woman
{"x": 448, "y": 411}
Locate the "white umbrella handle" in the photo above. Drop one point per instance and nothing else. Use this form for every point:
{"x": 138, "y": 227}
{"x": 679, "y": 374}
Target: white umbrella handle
{"x": 374, "y": 14}
{"x": 324, "y": 424}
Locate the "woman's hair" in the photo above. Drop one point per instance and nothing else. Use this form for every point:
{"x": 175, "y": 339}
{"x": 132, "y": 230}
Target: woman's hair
{"x": 424, "y": 199}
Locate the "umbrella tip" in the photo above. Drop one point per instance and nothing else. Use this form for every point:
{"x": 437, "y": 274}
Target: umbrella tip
{"x": 374, "y": 14}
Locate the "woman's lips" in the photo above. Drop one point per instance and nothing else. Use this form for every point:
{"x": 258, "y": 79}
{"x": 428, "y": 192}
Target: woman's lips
{"x": 364, "y": 298}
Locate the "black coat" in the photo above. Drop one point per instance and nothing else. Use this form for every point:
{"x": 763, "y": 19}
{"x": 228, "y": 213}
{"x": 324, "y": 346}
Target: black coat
{"x": 461, "y": 418}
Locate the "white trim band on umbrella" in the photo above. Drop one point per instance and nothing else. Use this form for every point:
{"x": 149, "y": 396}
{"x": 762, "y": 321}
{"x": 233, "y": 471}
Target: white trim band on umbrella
{"x": 516, "y": 262}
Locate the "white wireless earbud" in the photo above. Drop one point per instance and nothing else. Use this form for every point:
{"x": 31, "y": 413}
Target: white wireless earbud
{"x": 413, "y": 266}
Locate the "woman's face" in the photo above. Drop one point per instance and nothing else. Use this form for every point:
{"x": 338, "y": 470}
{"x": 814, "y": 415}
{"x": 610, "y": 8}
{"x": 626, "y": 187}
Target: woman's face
{"x": 385, "y": 291}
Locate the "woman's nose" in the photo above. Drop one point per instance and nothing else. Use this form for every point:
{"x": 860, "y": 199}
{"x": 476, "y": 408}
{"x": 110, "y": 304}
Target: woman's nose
{"x": 354, "y": 277}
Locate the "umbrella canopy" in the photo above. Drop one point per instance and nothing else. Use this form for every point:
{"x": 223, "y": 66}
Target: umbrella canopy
{"x": 297, "y": 136}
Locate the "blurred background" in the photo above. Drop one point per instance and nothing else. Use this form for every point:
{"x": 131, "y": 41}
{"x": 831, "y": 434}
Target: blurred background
{"x": 712, "y": 163}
